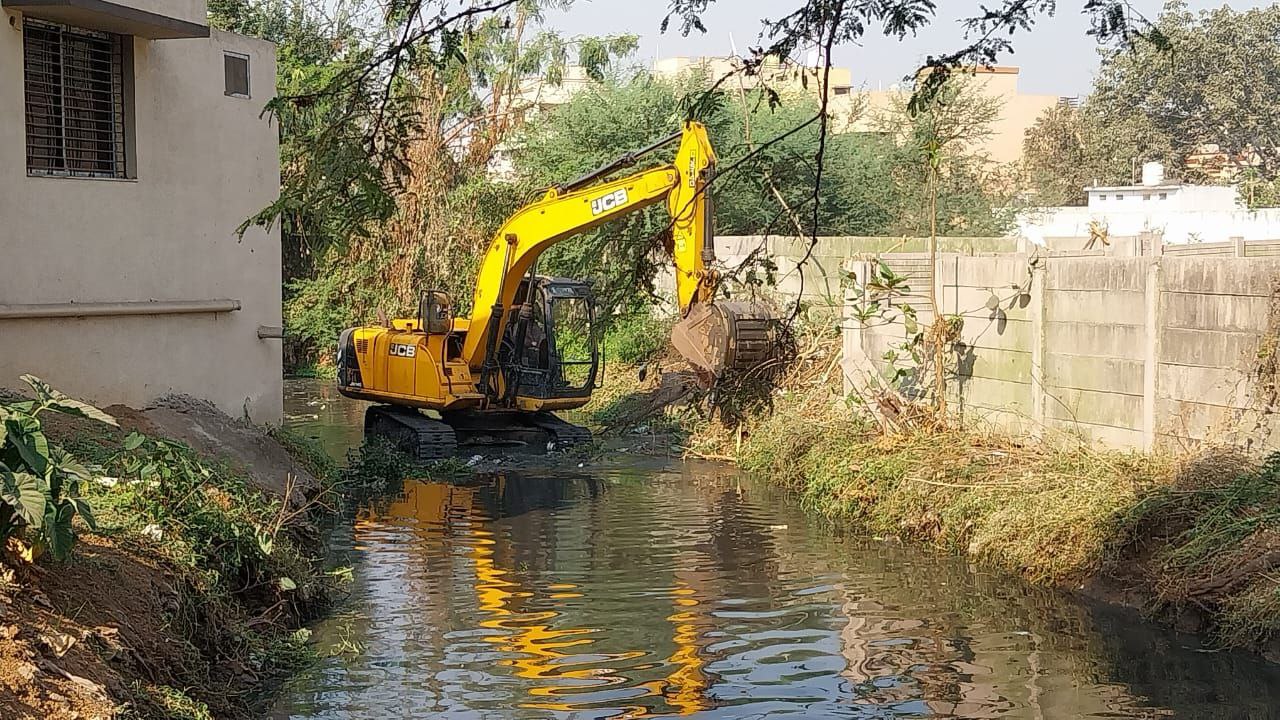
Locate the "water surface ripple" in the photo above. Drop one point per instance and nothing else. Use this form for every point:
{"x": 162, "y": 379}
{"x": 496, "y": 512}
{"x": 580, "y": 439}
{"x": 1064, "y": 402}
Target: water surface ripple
{"x": 640, "y": 588}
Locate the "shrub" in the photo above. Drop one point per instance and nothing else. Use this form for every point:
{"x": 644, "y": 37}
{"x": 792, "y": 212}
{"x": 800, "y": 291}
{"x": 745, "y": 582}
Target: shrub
{"x": 40, "y": 483}
{"x": 635, "y": 339}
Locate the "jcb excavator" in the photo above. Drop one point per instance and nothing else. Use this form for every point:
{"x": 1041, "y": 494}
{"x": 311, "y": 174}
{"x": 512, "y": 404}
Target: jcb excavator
{"x": 528, "y": 348}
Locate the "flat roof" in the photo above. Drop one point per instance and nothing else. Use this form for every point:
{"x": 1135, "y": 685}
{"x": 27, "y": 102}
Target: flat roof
{"x": 109, "y": 17}
{"x": 1118, "y": 188}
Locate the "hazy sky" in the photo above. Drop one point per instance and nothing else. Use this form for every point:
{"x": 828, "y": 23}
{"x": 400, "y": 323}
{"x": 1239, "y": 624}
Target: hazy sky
{"x": 1056, "y": 57}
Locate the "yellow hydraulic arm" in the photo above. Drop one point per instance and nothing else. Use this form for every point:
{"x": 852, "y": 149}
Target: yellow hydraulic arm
{"x": 572, "y": 209}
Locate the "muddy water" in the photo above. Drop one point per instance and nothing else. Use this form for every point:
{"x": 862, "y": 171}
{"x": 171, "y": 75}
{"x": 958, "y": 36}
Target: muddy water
{"x": 641, "y": 587}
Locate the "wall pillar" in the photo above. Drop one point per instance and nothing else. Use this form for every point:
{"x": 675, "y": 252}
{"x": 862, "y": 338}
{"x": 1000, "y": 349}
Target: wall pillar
{"x": 1151, "y": 354}
{"x": 1039, "y": 298}
{"x": 854, "y": 362}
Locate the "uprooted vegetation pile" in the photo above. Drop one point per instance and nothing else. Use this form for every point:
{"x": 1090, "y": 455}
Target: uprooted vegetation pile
{"x": 1194, "y": 538}
{"x": 188, "y": 597}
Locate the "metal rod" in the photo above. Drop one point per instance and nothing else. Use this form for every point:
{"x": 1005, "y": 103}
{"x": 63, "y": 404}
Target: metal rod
{"x": 116, "y": 309}
{"x": 625, "y": 161}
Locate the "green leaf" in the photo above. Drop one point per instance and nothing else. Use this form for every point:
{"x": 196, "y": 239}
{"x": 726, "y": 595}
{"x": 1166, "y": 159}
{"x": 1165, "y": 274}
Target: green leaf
{"x": 287, "y": 584}
{"x": 265, "y": 541}
{"x": 993, "y": 302}
{"x": 64, "y": 464}
{"x": 85, "y": 511}
{"x": 25, "y": 435}
{"x": 55, "y": 400}
{"x": 23, "y": 492}
{"x": 58, "y": 532}
{"x": 133, "y": 441}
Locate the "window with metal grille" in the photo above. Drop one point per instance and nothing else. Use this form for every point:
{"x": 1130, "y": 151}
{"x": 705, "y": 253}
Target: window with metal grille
{"x": 75, "y": 99}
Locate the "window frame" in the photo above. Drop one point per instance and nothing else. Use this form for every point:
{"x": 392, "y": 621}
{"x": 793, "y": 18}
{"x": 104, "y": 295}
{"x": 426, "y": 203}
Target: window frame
{"x": 119, "y": 136}
{"x": 248, "y": 74}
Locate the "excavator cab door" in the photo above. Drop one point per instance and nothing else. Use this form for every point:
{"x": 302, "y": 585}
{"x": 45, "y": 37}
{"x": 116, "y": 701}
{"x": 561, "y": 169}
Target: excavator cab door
{"x": 550, "y": 349}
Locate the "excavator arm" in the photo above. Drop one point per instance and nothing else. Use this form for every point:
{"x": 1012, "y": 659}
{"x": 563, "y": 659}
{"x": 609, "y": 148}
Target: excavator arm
{"x": 584, "y": 204}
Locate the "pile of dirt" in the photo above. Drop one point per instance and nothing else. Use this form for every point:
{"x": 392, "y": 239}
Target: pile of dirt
{"x": 76, "y": 637}
{"x": 107, "y": 634}
{"x": 245, "y": 446}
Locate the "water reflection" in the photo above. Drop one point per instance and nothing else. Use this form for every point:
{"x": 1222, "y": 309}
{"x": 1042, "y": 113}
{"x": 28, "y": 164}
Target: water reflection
{"x": 641, "y": 589}
{"x": 687, "y": 592}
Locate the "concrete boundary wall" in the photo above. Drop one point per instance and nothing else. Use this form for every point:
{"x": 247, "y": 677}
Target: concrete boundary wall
{"x": 820, "y": 282}
{"x": 1130, "y": 352}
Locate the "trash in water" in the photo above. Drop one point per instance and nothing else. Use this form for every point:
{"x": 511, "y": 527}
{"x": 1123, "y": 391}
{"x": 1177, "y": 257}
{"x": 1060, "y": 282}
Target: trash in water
{"x": 475, "y": 460}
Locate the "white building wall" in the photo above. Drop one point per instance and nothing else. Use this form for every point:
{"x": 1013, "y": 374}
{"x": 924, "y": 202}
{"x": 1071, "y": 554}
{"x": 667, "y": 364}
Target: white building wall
{"x": 1175, "y": 227}
{"x": 1178, "y": 213}
{"x": 205, "y": 163}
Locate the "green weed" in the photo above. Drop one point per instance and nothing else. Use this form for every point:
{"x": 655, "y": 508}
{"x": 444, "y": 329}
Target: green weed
{"x": 40, "y": 483}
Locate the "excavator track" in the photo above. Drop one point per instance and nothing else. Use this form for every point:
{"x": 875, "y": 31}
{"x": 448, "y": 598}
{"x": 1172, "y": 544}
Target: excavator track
{"x": 562, "y": 432}
{"x": 417, "y": 435}
{"x": 517, "y": 432}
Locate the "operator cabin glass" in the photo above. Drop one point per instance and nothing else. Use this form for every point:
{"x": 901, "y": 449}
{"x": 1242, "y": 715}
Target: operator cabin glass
{"x": 571, "y": 318}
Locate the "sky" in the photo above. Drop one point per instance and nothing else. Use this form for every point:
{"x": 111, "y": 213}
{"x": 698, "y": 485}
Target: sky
{"x": 1057, "y": 57}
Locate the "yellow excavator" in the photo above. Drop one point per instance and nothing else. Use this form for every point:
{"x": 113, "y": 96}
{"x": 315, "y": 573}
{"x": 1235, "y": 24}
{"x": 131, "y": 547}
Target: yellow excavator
{"x": 528, "y": 348}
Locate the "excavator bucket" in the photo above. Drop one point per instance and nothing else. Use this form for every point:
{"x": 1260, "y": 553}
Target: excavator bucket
{"x": 726, "y": 337}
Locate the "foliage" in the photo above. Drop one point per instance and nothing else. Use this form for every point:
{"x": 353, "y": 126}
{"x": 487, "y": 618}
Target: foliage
{"x": 636, "y": 339}
{"x": 873, "y": 183}
{"x": 1203, "y": 104}
{"x": 206, "y": 512}
{"x": 1055, "y": 157}
{"x": 308, "y": 451}
{"x": 40, "y": 483}
{"x": 1219, "y": 542}
{"x": 378, "y": 467}
{"x": 940, "y": 180}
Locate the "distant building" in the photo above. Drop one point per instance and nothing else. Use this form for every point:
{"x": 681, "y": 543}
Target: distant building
{"x": 861, "y": 110}
{"x": 854, "y": 109}
{"x": 1018, "y": 111}
{"x": 132, "y": 147}
{"x": 1176, "y": 212}
{"x": 783, "y": 77}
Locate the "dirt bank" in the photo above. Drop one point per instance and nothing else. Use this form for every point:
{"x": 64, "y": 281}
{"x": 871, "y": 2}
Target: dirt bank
{"x": 1193, "y": 540}
{"x": 186, "y": 601}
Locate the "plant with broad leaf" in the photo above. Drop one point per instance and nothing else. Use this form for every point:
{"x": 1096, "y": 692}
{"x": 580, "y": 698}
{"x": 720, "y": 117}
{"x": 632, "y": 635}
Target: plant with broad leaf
{"x": 905, "y": 391}
{"x": 40, "y": 483}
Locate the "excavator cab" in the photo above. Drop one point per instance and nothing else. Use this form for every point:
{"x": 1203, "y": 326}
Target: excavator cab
{"x": 549, "y": 351}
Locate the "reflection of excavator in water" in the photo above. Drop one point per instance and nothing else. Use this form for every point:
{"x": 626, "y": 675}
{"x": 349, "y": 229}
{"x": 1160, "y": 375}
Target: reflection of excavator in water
{"x": 545, "y": 640}
{"x": 528, "y": 347}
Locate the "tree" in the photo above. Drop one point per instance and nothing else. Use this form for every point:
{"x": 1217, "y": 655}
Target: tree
{"x": 1211, "y": 96}
{"x": 875, "y": 182}
{"x": 1218, "y": 86}
{"x": 1054, "y": 157}
{"x": 942, "y": 183}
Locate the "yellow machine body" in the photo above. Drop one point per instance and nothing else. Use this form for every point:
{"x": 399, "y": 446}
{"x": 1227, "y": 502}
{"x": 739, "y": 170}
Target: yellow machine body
{"x": 448, "y": 364}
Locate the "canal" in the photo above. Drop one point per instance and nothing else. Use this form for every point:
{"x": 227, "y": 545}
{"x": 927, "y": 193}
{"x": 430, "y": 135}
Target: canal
{"x": 649, "y": 587}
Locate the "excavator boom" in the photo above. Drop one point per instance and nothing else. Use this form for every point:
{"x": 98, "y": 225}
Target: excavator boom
{"x": 527, "y": 349}
{"x": 714, "y": 337}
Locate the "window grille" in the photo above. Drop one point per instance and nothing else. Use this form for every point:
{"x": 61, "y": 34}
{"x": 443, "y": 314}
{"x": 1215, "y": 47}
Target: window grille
{"x": 74, "y": 101}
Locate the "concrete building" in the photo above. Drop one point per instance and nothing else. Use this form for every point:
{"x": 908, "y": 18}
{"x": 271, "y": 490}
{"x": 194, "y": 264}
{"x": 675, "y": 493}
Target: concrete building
{"x": 132, "y": 146}
{"x": 866, "y": 109}
{"x": 1176, "y": 212}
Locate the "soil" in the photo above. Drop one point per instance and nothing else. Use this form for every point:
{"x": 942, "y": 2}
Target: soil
{"x": 211, "y": 432}
{"x": 81, "y": 640}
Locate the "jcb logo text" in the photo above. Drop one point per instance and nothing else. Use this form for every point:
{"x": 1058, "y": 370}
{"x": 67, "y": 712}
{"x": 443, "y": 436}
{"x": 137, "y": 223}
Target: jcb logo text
{"x": 608, "y": 202}
{"x": 405, "y": 351}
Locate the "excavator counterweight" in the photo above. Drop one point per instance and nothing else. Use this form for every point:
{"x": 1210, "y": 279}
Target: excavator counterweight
{"x": 529, "y": 348}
